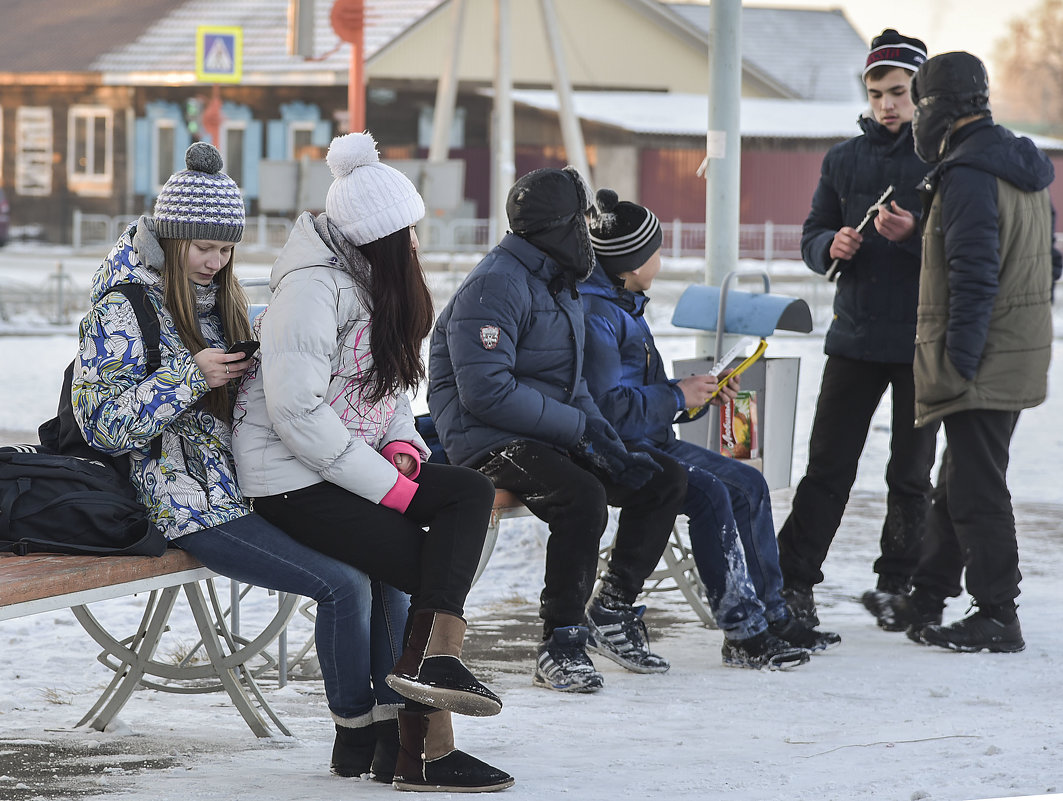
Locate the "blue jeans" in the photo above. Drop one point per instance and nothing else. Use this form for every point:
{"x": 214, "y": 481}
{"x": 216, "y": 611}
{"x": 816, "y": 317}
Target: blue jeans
{"x": 360, "y": 623}
{"x": 732, "y": 535}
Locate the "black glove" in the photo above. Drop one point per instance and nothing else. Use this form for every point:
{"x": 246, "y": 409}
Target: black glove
{"x": 600, "y": 446}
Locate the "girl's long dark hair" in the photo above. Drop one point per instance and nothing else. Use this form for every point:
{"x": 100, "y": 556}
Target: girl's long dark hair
{"x": 400, "y": 307}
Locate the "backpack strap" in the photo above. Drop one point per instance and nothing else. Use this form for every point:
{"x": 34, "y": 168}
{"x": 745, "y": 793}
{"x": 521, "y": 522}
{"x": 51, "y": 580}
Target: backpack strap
{"x": 148, "y": 320}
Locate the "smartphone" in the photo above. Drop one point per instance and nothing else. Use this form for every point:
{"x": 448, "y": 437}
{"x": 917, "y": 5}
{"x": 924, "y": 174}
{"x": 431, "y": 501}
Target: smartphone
{"x": 245, "y": 346}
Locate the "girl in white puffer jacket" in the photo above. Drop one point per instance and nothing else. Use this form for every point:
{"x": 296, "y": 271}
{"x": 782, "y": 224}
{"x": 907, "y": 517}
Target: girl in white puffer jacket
{"x": 326, "y": 446}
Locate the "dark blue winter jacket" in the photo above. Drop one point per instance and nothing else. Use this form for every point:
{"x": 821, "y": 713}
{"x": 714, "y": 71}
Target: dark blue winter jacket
{"x": 875, "y": 301}
{"x": 506, "y": 357}
{"x": 624, "y": 371}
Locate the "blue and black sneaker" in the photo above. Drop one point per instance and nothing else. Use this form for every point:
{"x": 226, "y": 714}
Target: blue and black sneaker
{"x": 562, "y": 663}
{"x": 620, "y": 635}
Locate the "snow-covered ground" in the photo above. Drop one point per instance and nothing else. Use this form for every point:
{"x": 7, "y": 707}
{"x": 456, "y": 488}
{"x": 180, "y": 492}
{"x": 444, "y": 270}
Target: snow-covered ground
{"x": 876, "y": 718}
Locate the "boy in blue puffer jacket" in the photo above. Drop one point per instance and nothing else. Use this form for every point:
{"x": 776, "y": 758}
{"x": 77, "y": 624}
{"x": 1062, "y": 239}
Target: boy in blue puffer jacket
{"x": 732, "y": 534}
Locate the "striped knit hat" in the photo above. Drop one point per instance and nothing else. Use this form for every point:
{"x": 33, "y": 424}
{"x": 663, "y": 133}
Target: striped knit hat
{"x": 368, "y": 200}
{"x": 200, "y": 202}
{"x": 891, "y": 49}
{"x": 624, "y": 234}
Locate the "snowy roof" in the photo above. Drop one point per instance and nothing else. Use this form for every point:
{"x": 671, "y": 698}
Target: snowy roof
{"x": 687, "y": 114}
{"x": 817, "y": 54}
{"x": 67, "y": 35}
{"x": 165, "y": 51}
{"x": 679, "y": 114}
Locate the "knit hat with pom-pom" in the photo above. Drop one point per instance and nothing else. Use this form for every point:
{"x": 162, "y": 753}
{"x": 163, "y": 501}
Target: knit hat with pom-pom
{"x": 200, "y": 202}
{"x": 624, "y": 235}
{"x": 368, "y": 200}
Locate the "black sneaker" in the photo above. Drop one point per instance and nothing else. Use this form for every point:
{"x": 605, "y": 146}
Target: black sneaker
{"x": 620, "y": 635}
{"x": 763, "y": 650}
{"x": 563, "y": 664}
{"x": 880, "y": 604}
{"x": 801, "y": 636}
{"x": 977, "y": 632}
{"x": 802, "y": 605}
{"x": 913, "y": 611}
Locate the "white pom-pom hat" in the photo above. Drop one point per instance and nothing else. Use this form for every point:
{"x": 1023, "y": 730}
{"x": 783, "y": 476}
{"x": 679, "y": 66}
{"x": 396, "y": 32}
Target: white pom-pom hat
{"x": 368, "y": 199}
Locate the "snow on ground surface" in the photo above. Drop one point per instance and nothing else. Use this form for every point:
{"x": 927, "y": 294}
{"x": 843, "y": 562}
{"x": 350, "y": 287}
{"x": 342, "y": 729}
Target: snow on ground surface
{"x": 876, "y": 718}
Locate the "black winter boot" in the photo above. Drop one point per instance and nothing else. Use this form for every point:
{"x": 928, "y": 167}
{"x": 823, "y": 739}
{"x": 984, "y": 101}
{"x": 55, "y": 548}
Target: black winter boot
{"x": 352, "y": 753}
{"x": 430, "y": 670}
{"x": 429, "y": 762}
{"x": 802, "y": 604}
{"x": 914, "y": 611}
{"x": 981, "y": 631}
{"x": 387, "y": 750}
{"x": 801, "y": 636}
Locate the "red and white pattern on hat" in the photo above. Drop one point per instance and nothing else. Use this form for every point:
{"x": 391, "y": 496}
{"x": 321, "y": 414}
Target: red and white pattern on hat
{"x": 905, "y": 56}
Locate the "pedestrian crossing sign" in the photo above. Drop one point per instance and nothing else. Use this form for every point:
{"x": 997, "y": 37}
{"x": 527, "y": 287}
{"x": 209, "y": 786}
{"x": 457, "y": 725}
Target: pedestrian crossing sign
{"x": 219, "y": 53}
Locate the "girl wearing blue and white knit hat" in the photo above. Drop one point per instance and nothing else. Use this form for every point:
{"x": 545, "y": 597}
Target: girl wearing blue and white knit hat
{"x": 327, "y": 448}
{"x": 182, "y": 258}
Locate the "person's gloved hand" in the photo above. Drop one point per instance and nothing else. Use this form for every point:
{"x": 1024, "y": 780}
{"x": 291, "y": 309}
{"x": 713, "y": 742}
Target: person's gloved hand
{"x": 600, "y": 446}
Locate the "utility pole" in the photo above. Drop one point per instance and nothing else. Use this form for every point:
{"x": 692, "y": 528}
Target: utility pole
{"x": 724, "y": 140}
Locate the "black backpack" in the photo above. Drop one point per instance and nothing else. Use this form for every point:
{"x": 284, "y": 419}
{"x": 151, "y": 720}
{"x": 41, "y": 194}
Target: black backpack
{"x": 64, "y": 496}
{"x": 52, "y": 503}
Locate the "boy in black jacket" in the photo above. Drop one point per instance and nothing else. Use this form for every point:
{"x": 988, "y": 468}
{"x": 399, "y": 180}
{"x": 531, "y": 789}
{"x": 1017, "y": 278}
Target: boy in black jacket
{"x": 870, "y": 343}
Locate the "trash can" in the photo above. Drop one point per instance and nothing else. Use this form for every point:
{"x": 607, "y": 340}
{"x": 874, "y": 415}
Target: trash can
{"x": 727, "y": 311}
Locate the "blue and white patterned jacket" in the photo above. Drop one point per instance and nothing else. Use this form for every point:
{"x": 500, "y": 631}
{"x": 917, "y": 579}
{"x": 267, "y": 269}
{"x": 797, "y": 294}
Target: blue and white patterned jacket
{"x": 121, "y": 408}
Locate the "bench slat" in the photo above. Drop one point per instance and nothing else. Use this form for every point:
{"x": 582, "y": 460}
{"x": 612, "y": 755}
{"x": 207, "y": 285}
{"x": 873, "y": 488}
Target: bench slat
{"x": 39, "y": 576}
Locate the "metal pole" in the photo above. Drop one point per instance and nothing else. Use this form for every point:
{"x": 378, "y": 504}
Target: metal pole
{"x": 724, "y": 141}
{"x": 504, "y": 167}
{"x": 723, "y": 146}
{"x": 60, "y": 317}
{"x": 447, "y": 91}
{"x": 571, "y": 135}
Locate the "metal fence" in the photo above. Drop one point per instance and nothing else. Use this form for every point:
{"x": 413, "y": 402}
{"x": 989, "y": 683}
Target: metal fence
{"x": 765, "y": 241}
{"x": 100, "y": 230}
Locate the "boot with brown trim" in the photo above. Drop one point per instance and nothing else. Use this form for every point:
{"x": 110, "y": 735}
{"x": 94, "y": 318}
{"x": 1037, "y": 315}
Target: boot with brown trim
{"x": 429, "y": 762}
{"x": 430, "y": 670}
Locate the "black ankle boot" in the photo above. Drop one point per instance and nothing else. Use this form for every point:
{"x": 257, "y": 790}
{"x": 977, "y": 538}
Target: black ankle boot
{"x": 386, "y": 751}
{"x": 352, "y": 753}
{"x": 429, "y": 762}
{"x": 430, "y": 670}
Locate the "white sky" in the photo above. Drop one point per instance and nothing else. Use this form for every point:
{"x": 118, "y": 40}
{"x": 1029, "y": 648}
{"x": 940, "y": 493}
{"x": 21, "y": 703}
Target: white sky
{"x": 945, "y": 25}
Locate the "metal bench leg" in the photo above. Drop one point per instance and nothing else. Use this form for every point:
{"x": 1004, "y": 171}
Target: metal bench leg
{"x": 679, "y": 562}
{"x": 489, "y": 546}
{"x": 236, "y": 687}
{"x": 239, "y": 657}
{"x": 135, "y": 658}
{"x": 679, "y": 573}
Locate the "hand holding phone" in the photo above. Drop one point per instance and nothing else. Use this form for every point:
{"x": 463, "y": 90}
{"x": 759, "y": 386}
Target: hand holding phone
{"x": 245, "y": 346}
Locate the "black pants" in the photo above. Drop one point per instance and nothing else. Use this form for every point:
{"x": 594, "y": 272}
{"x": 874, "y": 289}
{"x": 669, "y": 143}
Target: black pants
{"x": 849, "y": 395}
{"x": 971, "y": 523}
{"x": 435, "y": 566}
{"x": 574, "y": 499}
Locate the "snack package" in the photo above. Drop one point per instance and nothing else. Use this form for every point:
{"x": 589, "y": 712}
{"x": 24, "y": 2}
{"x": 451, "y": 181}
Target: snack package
{"x": 738, "y": 427}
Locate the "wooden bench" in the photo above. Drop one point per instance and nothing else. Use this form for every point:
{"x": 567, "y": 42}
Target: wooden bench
{"x": 678, "y": 573}
{"x": 45, "y": 582}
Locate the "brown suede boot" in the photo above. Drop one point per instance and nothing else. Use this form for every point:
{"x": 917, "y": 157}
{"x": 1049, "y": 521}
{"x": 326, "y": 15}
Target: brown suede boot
{"x": 429, "y": 762}
{"x": 430, "y": 670}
